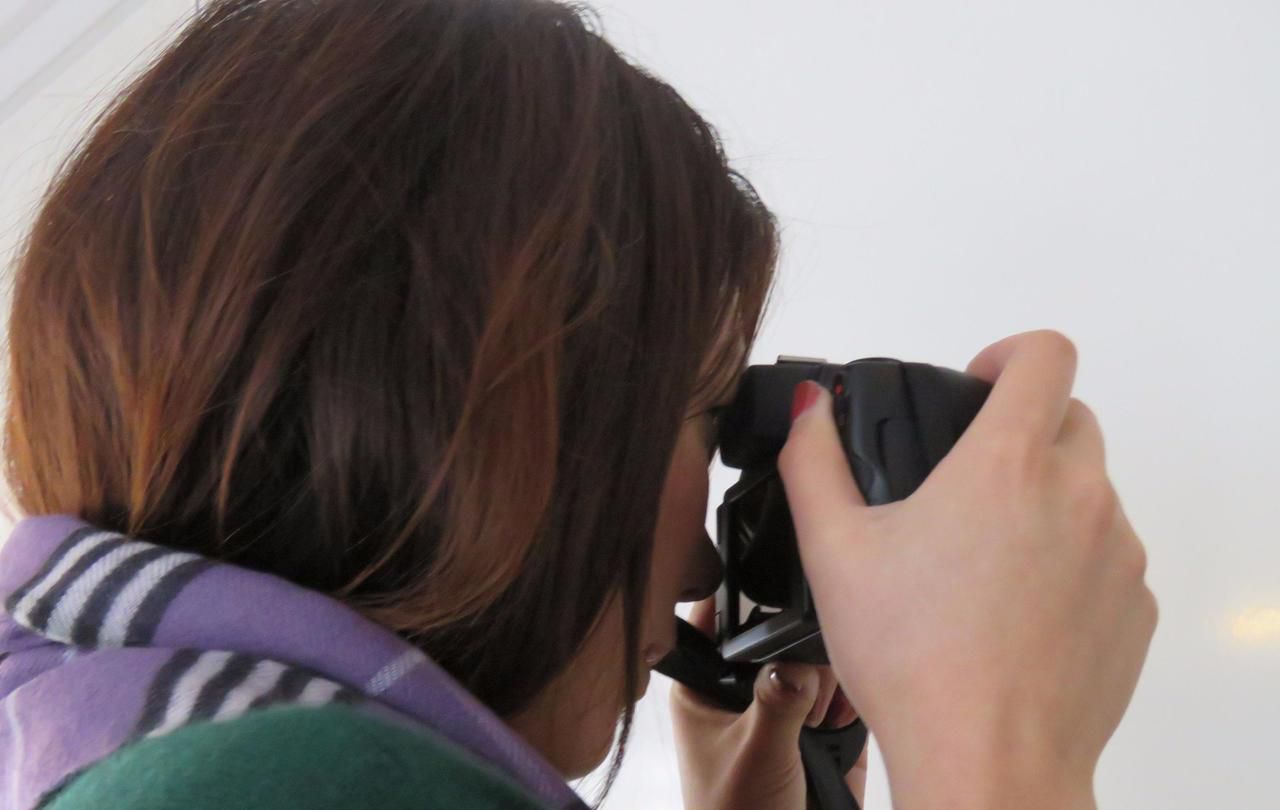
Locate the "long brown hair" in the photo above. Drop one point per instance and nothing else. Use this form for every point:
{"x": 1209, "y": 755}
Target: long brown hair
{"x": 401, "y": 300}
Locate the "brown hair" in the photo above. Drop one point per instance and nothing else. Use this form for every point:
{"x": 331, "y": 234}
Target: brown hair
{"x": 403, "y": 301}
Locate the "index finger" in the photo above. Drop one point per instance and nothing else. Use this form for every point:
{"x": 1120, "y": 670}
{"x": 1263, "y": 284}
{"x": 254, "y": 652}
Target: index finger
{"x": 1032, "y": 375}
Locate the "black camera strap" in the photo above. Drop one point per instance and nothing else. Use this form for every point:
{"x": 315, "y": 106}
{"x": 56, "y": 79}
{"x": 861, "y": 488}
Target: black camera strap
{"x": 827, "y": 754}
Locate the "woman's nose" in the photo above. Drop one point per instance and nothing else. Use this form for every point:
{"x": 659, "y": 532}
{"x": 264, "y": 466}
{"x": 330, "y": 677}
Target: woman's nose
{"x": 705, "y": 573}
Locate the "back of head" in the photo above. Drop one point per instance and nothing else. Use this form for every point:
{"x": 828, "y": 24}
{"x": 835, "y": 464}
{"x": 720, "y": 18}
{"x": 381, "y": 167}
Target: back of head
{"x": 401, "y": 300}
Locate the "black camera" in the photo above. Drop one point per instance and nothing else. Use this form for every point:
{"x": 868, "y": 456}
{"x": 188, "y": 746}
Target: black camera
{"x": 896, "y": 421}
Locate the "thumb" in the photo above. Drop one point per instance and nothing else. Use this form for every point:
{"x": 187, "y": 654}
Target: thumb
{"x": 820, "y": 487}
{"x": 784, "y": 695}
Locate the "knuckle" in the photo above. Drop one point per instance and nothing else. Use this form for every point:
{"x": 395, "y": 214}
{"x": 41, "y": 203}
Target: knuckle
{"x": 1136, "y": 563}
{"x": 1086, "y": 429}
{"x": 1151, "y": 609}
{"x": 1094, "y": 501}
{"x": 1059, "y": 344}
{"x": 1079, "y": 412}
{"x": 1084, "y": 422}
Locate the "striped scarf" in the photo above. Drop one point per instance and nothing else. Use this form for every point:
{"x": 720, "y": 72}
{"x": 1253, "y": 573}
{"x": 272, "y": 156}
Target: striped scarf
{"x": 106, "y": 640}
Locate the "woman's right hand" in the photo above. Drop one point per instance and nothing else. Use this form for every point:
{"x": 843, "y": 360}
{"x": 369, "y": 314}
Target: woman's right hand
{"x": 990, "y": 628}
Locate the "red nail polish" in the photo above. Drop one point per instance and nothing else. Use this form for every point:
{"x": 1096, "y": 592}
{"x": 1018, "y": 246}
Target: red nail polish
{"x": 805, "y": 395}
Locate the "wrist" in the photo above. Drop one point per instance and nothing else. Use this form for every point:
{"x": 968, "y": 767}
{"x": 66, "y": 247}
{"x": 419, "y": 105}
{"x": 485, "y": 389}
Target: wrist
{"x": 965, "y": 791}
{"x": 964, "y": 774}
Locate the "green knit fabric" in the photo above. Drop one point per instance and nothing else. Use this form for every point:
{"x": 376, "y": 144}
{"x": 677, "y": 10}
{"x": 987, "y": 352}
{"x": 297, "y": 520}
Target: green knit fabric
{"x": 324, "y": 758}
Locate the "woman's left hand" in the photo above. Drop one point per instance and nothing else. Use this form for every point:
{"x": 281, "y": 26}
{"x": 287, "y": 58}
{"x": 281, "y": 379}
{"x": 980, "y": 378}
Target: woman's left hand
{"x": 751, "y": 761}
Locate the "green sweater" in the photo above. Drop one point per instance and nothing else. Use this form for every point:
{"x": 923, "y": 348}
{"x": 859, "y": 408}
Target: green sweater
{"x": 327, "y": 757}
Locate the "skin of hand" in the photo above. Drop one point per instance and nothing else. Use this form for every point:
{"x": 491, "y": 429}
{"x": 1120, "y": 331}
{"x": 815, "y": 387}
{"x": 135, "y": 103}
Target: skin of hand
{"x": 991, "y": 627}
{"x": 751, "y": 761}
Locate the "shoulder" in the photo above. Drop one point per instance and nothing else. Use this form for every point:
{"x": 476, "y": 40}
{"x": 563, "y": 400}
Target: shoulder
{"x": 293, "y": 756}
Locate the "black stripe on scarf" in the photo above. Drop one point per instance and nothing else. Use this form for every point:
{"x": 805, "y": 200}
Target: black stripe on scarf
{"x": 215, "y": 690}
{"x": 288, "y": 686}
{"x": 44, "y": 608}
{"x": 71, "y": 541}
{"x": 84, "y": 632}
{"x": 160, "y": 692}
{"x": 143, "y": 625}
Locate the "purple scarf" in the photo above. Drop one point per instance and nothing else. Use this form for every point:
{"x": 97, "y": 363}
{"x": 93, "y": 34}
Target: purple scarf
{"x": 106, "y": 640}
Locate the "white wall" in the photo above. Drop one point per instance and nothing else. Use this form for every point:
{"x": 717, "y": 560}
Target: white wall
{"x": 952, "y": 173}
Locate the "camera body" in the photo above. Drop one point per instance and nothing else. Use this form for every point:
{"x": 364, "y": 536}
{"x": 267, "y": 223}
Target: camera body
{"x": 896, "y": 422}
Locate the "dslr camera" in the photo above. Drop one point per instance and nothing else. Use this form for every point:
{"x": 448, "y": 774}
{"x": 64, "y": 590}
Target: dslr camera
{"x": 896, "y": 421}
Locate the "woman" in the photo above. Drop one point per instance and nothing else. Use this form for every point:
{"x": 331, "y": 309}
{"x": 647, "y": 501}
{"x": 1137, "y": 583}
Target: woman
{"x": 365, "y": 360}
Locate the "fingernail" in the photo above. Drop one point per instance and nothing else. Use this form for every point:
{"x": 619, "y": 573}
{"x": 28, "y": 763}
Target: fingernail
{"x": 775, "y": 675}
{"x": 805, "y": 394}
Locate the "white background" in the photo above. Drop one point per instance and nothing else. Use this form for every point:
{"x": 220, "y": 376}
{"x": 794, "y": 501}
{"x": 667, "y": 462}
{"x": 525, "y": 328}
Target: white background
{"x": 948, "y": 174}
